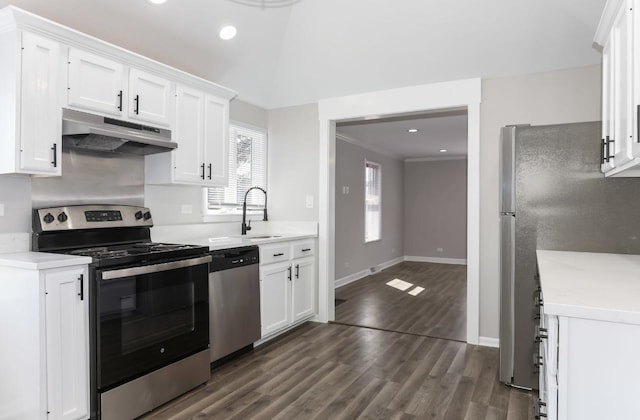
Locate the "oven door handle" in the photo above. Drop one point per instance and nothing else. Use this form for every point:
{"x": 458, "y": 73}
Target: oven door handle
{"x": 154, "y": 268}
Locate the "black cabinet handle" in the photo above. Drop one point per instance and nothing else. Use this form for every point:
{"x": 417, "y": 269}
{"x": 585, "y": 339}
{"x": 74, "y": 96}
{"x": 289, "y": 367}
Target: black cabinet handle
{"x": 609, "y": 156}
{"x": 120, "y": 101}
{"x": 202, "y": 166}
{"x": 297, "y": 271}
{"x": 306, "y": 250}
{"x": 54, "y": 162}
{"x": 81, "y": 280}
{"x": 137, "y": 100}
{"x": 289, "y": 275}
{"x": 638, "y": 124}
{"x": 210, "y": 169}
{"x": 280, "y": 254}
{"x": 603, "y": 146}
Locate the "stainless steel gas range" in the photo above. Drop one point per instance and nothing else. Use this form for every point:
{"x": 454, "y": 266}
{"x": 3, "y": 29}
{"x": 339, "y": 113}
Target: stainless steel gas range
{"x": 149, "y": 316}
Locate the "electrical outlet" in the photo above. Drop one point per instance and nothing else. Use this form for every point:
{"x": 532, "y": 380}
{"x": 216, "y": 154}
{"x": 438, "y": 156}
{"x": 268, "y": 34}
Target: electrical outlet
{"x": 439, "y": 249}
{"x": 309, "y": 201}
{"x": 393, "y": 250}
{"x": 186, "y": 209}
{"x": 346, "y": 265}
{"x": 1, "y": 209}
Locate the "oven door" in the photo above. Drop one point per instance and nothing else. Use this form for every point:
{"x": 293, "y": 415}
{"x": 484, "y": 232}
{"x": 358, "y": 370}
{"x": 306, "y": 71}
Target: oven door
{"x": 149, "y": 316}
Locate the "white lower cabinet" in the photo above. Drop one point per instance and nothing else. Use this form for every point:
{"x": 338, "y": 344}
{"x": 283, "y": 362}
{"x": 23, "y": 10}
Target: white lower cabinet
{"x": 45, "y": 369}
{"x": 589, "y": 369}
{"x": 287, "y": 285}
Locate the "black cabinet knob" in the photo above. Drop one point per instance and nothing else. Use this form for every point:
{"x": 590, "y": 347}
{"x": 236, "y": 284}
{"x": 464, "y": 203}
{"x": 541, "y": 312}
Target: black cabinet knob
{"x": 48, "y": 218}
{"x": 147, "y": 216}
{"x": 62, "y": 217}
{"x": 138, "y": 215}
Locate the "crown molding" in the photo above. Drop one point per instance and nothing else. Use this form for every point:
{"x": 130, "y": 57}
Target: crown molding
{"x": 435, "y": 159}
{"x": 366, "y": 146}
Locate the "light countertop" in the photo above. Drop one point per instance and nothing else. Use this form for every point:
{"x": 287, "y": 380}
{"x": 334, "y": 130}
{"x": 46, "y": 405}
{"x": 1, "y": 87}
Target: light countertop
{"x": 223, "y": 242}
{"x": 41, "y": 260}
{"x": 603, "y": 287}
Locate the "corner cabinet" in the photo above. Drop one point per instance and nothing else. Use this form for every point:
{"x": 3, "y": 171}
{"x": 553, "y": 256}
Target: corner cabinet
{"x": 31, "y": 75}
{"x": 288, "y": 286}
{"x": 45, "y": 370}
{"x": 619, "y": 36}
{"x": 201, "y": 130}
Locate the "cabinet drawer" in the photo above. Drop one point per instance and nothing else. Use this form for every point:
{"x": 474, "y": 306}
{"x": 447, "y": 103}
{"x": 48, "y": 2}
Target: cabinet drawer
{"x": 303, "y": 249}
{"x": 274, "y": 253}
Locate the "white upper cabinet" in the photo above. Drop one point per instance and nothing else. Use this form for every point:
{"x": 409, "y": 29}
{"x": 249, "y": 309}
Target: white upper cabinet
{"x": 189, "y": 157}
{"x": 618, "y": 35}
{"x": 95, "y": 83}
{"x": 31, "y": 76}
{"x": 40, "y": 114}
{"x": 150, "y": 98}
{"x": 216, "y": 145}
{"x": 201, "y": 129}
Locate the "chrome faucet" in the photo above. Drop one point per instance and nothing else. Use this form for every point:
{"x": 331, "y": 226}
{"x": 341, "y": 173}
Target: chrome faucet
{"x": 246, "y": 227}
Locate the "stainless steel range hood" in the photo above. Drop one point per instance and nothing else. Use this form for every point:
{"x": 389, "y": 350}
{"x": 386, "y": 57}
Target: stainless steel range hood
{"x": 94, "y": 132}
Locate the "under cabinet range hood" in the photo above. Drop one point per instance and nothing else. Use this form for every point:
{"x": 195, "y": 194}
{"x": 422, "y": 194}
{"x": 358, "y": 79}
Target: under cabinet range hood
{"x": 94, "y": 132}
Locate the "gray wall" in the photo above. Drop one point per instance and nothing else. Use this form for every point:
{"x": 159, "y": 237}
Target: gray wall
{"x": 544, "y": 98}
{"x": 292, "y": 170}
{"x": 352, "y": 254}
{"x": 435, "y": 209}
{"x": 166, "y": 201}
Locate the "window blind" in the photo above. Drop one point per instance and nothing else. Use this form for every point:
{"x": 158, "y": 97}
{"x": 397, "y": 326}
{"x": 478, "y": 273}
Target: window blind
{"x": 372, "y": 212}
{"x": 247, "y": 168}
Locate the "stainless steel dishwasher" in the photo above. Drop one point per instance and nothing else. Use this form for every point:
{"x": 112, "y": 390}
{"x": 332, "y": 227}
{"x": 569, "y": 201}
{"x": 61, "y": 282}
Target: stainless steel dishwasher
{"x": 234, "y": 300}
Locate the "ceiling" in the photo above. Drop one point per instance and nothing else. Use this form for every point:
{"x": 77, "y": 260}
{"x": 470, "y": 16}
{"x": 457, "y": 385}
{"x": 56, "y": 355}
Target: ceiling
{"x": 436, "y": 131}
{"x": 324, "y": 48}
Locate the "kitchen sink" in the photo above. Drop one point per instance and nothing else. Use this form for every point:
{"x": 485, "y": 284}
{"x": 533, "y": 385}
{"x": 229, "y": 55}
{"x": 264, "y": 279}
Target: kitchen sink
{"x": 263, "y": 237}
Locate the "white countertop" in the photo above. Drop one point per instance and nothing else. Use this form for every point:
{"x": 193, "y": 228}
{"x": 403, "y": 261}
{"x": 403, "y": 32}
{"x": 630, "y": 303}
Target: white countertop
{"x": 603, "y": 287}
{"x": 223, "y": 242}
{"x": 41, "y": 260}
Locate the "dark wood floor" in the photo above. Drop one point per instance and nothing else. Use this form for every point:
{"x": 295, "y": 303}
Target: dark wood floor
{"x": 332, "y": 371}
{"x": 439, "y": 311}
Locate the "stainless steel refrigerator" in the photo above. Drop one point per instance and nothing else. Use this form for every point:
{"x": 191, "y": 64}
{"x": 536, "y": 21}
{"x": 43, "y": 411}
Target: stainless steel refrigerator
{"x": 554, "y": 197}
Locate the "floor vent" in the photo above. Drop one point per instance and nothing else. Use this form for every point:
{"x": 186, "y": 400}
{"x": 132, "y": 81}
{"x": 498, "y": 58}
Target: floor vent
{"x": 373, "y": 269}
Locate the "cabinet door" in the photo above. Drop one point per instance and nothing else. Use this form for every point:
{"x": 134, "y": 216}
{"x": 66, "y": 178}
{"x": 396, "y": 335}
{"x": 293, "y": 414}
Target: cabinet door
{"x": 95, "y": 83}
{"x": 622, "y": 86}
{"x": 67, "y": 343}
{"x": 216, "y": 141}
{"x": 608, "y": 104}
{"x": 149, "y": 98}
{"x": 41, "y": 115}
{"x": 303, "y": 288}
{"x": 189, "y": 156}
{"x": 275, "y": 298}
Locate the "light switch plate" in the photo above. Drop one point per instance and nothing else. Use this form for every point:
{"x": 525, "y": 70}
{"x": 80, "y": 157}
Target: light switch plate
{"x": 186, "y": 209}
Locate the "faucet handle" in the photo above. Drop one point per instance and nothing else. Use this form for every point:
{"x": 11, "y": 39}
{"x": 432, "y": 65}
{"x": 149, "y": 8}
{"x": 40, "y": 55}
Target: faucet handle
{"x": 248, "y": 224}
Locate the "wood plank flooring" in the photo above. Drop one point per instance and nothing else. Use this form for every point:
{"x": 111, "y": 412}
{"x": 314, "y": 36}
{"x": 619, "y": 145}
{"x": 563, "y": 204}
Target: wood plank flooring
{"x": 332, "y": 371}
{"x": 439, "y": 311}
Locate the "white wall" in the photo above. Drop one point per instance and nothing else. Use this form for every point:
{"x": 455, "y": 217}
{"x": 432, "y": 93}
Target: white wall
{"x": 15, "y": 195}
{"x": 292, "y": 172}
{"x": 352, "y": 254}
{"x": 435, "y": 209}
{"x": 544, "y": 98}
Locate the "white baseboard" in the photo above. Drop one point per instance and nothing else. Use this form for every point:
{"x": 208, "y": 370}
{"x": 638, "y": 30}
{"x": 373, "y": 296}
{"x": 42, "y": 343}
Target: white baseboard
{"x": 459, "y": 261}
{"x": 489, "y": 342}
{"x": 364, "y": 273}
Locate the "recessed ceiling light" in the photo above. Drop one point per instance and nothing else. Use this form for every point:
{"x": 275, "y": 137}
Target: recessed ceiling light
{"x": 412, "y": 130}
{"x": 228, "y": 32}
{"x": 443, "y": 150}
{"x": 157, "y": 1}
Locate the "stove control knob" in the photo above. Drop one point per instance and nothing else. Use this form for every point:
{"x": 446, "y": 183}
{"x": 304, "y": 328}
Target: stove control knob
{"x": 62, "y": 217}
{"x": 138, "y": 215}
{"x": 147, "y": 216}
{"x": 48, "y": 218}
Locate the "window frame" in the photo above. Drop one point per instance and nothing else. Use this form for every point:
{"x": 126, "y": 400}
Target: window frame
{"x": 235, "y": 213}
{"x": 367, "y": 163}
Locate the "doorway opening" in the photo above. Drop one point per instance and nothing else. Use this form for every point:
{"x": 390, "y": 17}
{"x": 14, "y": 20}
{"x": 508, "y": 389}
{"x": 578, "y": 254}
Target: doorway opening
{"x": 457, "y": 95}
{"x": 400, "y": 223}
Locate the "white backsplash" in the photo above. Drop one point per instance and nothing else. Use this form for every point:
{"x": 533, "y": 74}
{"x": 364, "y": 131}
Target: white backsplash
{"x": 14, "y": 242}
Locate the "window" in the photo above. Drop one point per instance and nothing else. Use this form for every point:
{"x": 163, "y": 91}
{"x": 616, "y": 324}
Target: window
{"x": 247, "y": 168}
{"x": 372, "y": 202}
